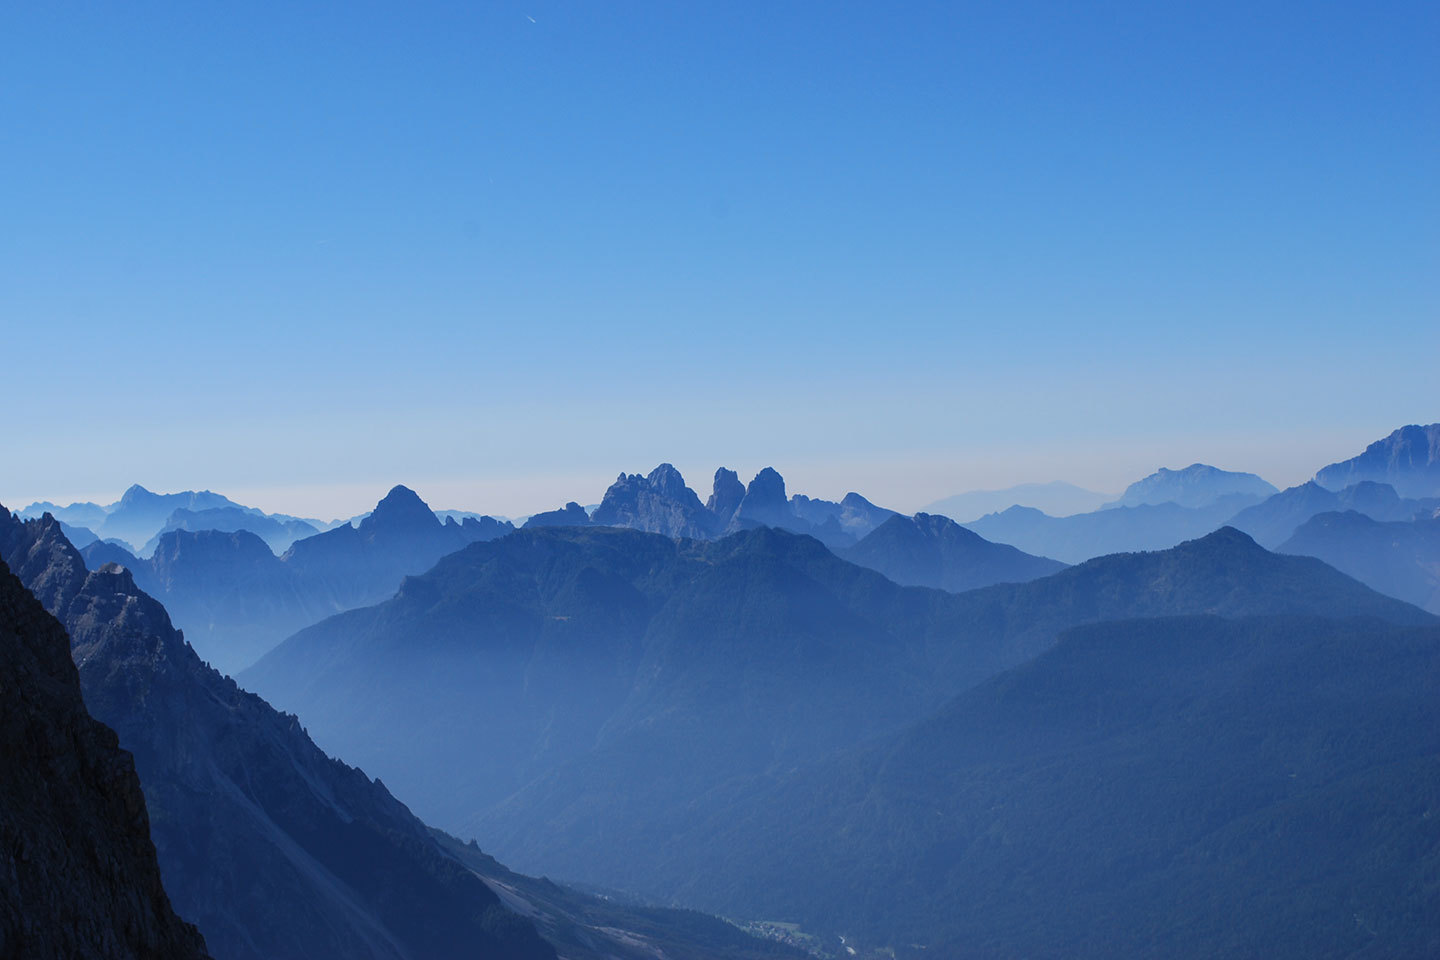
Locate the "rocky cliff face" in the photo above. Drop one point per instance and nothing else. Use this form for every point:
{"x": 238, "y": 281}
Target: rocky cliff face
{"x": 78, "y": 874}
{"x": 274, "y": 849}
{"x": 1408, "y": 460}
{"x": 658, "y": 503}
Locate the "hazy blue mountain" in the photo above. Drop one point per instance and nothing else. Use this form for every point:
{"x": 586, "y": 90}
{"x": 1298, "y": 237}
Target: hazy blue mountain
{"x": 278, "y": 534}
{"x": 87, "y": 515}
{"x": 80, "y": 536}
{"x": 856, "y": 516}
{"x": 1082, "y": 536}
{"x": 271, "y": 847}
{"x": 623, "y": 678}
{"x": 78, "y": 874}
{"x": 931, "y": 551}
{"x": 139, "y": 514}
{"x": 235, "y": 599}
{"x": 1408, "y": 460}
{"x": 1058, "y": 499}
{"x": 1198, "y": 485}
{"x": 1276, "y": 519}
{"x": 1400, "y": 559}
{"x": 1189, "y": 787}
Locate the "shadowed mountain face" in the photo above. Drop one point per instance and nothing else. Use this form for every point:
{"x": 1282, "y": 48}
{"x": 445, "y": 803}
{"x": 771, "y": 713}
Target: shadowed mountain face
{"x": 627, "y": 681}
{"x": 272, "y": 848}
{"x": 1182, "y": 788}
{"x": 930, "y": 551}
{"x": 1400, "y": 559}
{"x": 1274, "y": 521}
{"x": 659, "y": 503}
{"x": 1408, "y": 460}
{"x": 78, "y": 876}
{"x": 236, "y": 600}
{"x": 1198, "y": 485}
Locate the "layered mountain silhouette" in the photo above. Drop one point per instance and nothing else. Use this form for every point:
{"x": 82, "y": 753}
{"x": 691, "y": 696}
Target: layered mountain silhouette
{"x": 1276, "y": 519}
{"x": 1408, "y": 460}
{"x": 1183, "y": 787}
{"x": 137, "y": 519}
{"x": 1198, "y": 485}
{"x": 78, "y": 874}
{"x": 235, "y": 599}
{"x": 931, "y": 551}
{"x": 1401, "y": 559}
{"x": 271, "y": 847}
{"x": 278, "y": 533}
{"x": 1057, "y": 498}
{"x": 1082, "y": 536}
{"x": 660, "y": 502}
{"x": 625, "y": 679}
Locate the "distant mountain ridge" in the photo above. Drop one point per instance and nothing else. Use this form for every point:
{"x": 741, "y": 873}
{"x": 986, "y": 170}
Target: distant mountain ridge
{"x": 660, "y": 502}
{"x": 1057, "y": 498}
{"x": 931, "y": 551}
{"x": 237, "y": 599}
{"x": 1198, "y": 485}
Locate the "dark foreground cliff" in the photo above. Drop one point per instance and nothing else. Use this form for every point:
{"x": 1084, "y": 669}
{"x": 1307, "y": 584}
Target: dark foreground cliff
{"x": 78, "y": 875}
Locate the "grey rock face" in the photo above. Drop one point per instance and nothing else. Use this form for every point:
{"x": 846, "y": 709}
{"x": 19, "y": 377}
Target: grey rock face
{"x": 1408, "y": 460}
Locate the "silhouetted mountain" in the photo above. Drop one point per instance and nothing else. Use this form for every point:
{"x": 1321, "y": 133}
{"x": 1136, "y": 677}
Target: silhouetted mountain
{"x": 930, "y": 551}
{"x": 660, "y": 503}
{"x": 272, "y": 848}
{"x": 1181, "y": 788}
{"x": 1408, "y": 460}
{"x": 78, "y": 875}
{"x": 80, "y": 536}
{"x": 1058, "y": 499}
{"x": 1400, "y": 559}
{"x": 571, "y": 515}
{"x": 278, "y": 534}
{"x": 1116, "y": 530}
{"x": 353, "y": 566}
{"x": 726, "y": 493}
{"x": 1275, "y": 520}
{"x": 236, "y": 600}
{"x": 1198, "y": 485}
{"x": 622, "y": 679}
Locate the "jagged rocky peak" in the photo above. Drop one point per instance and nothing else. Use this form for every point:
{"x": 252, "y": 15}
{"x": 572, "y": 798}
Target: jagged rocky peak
{"x": 726, "y": 493}
{"x": 571, "y": 515}
{"x": 666, "y": 481}
{"x": 658, "y": 503}
{"x": 400, "y": 507}
{"x": 765, "y": 501}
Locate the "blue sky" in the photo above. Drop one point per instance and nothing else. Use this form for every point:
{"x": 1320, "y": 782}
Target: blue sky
{"x": 501, "y": 252}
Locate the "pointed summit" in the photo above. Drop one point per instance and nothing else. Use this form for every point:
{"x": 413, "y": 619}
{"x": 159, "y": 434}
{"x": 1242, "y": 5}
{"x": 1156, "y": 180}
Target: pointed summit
{"x": 726, "y": 493}
{"x": 401, "y": 507}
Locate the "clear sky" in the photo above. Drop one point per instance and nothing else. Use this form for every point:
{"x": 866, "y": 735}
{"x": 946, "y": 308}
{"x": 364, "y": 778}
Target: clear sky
{"x": 298, "y": 252}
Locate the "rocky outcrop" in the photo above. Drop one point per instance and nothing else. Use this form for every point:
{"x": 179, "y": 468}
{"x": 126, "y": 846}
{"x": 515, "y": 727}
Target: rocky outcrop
{"x": 78, "y": 873}
{"x": 726, "y": 493}
{"x": 658, "y": 503}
